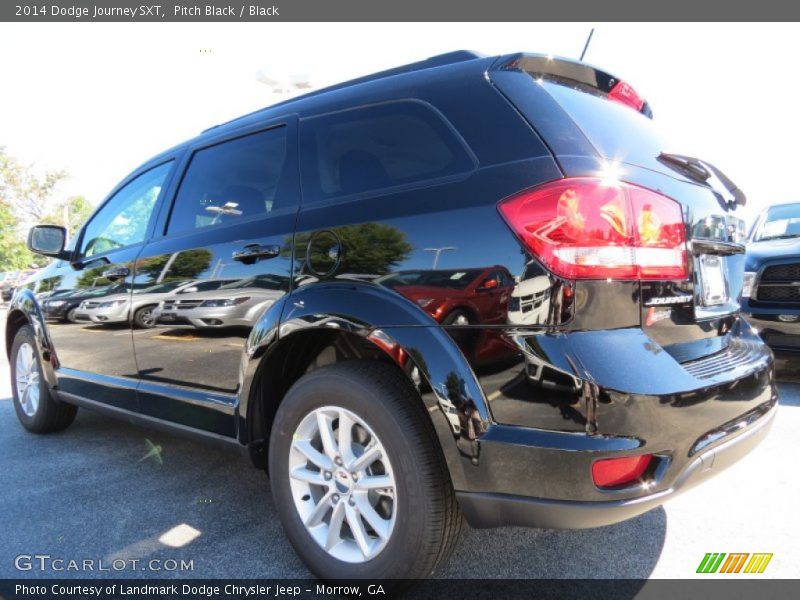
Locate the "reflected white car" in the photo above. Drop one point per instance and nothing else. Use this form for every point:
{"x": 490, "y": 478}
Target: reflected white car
{"x": 139, "y": 306}
{"x": 529, "y": 303}
{"x": 237, "y": 304}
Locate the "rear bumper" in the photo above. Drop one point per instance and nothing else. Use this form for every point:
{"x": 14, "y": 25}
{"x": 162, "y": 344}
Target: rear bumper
{"x": 485, "y": 509}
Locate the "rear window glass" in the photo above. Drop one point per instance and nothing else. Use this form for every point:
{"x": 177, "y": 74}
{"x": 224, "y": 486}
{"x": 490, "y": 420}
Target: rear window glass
{"x": 377, "y": 147}
{"x": 617, "y": 131}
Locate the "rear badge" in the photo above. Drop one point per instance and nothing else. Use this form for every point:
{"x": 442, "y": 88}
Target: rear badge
{"x": 664, "y": 300}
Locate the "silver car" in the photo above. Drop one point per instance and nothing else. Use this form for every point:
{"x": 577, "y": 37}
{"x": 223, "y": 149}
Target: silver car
{"x": 236, "y": 304}
{"x": 116, "y": 308}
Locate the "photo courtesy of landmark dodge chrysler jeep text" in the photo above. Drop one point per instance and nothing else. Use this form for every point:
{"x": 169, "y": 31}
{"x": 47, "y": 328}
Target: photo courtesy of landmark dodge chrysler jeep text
{"x": 486, "y": 292}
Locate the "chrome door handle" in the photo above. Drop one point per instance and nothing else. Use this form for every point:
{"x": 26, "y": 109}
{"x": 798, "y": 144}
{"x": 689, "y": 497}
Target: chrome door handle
{"x": 117, "y": 273}
{"x": 254, "y": 252}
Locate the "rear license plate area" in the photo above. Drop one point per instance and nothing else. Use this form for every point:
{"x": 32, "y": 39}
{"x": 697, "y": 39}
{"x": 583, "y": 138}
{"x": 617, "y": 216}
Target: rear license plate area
{"x": 713, "y": 287}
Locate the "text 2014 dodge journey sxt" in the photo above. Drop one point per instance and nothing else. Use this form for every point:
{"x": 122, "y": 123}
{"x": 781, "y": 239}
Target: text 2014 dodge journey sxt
{"x": 485, "y": 292}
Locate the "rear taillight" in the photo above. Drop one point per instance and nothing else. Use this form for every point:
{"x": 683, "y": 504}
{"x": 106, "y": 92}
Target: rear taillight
{"x": 616, "y": 472}
{"x": 590, "y": 228}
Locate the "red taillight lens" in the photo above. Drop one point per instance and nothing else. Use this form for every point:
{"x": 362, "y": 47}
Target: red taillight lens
{"x": 614, "y": 472}
{"x": 625, "y": 94}
{"x": 587, "y": 228}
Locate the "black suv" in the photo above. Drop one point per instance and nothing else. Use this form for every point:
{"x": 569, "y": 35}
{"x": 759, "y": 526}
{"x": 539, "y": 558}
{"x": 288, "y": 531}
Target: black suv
{"x": 608, "y": 370}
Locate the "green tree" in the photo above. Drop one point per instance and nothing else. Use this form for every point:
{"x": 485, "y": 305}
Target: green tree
{"x": 367, "y": 248}
{"x": 187, "y": 264}
{"x": 29, "y": 193}
{"x": 12, "y": 250}
{"x": 14, "y": 254}
{"x": 77, "y": 209}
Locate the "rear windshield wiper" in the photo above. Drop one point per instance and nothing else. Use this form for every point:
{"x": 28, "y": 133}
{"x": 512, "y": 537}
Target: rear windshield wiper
{"x": 704, "y": 172}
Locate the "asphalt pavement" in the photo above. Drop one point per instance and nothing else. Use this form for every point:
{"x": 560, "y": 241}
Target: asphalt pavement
{"x": 99, "y": 491}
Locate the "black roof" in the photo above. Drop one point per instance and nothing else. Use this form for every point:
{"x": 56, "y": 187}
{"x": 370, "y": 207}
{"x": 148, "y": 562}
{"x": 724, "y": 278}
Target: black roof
{"x": 372, "y": 88}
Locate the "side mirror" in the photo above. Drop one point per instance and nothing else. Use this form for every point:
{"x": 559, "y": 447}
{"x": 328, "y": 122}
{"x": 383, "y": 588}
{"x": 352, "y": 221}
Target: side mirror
{"x": 189, "y": 290}
{"x": 48, "y": 240}
{"x": 490, "y": 284}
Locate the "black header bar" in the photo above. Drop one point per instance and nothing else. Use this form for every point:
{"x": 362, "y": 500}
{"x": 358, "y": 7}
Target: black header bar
{"x": 394, "y": 10}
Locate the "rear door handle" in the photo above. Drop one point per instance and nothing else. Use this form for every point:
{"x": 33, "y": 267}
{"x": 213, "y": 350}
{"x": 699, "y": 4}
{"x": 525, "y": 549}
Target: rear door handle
{"x": 254, "y": 252}
{"x": 117, "y": 273}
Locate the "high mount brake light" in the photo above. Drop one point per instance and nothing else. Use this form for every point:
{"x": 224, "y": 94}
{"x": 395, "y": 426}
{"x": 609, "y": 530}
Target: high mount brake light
{"x": 625, "y": 94}
{"x": 588, "y": 228}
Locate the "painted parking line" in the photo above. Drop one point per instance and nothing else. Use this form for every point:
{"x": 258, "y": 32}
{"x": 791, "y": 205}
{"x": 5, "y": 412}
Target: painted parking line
{"x": 179, "y": 338}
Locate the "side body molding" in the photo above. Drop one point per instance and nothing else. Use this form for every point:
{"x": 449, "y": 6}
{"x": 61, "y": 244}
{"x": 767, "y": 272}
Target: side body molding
{"x": 25, "y": 306}
{"x": 434, "y": 363}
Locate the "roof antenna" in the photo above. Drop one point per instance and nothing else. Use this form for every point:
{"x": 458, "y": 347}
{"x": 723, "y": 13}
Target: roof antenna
{"x": 586, "y": 46}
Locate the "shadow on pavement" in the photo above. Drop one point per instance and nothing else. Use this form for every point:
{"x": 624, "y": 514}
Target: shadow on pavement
{"x": 97, "y": 490}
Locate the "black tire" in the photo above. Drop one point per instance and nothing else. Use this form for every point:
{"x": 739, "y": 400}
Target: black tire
{"x": 51, "y": 414}
{"x": 70, "y": 316}
{"x": 456, "y": 316}
{"x": 143, "y": 318}
{"x": 428, "y": 522}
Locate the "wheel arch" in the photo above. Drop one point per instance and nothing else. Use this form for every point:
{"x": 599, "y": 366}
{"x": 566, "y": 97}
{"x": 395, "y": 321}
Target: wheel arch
{"x": 358, "y": 320}
{"x": 25, "y": 310}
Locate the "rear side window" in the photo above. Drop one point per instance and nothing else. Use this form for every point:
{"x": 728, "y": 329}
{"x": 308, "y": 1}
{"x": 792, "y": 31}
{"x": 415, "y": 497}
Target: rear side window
{"x": 377, "y": 147}
{"x": 231, "y": 181}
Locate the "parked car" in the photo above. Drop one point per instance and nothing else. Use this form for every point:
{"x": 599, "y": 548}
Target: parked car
{"x": 456, "y": 296}
{"x": 379, "y": 433}
{"x": 7, "y": 285}
{"x": 235, "y": 304}
{"x": 771, "y": 291}
{"x": 530, "y": 300}
{"x": 140, "y": 305}
{"x": 64, "y": 304}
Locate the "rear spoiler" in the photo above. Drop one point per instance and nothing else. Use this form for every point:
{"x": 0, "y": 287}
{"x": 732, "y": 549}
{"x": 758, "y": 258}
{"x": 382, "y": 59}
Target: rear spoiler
{"x": 574, "y": 72}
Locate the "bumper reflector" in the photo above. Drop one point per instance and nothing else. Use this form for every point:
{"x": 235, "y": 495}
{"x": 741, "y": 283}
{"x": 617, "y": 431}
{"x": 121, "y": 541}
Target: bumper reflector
{"x": 614, "y": 472}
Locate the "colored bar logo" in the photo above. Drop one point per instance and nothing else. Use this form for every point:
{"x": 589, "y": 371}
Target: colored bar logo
{"x": 719, "y": 562}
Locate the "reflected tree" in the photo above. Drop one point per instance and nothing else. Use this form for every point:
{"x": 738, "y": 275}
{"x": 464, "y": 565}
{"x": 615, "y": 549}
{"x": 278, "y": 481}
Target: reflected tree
{"x": 187, "y": 264}
{"x": 367, "y": 248}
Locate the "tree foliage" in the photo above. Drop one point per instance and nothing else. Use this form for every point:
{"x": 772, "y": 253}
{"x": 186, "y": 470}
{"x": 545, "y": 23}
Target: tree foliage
{"x": 77, "y": 210}
{"x": 25, "y": 197}
{"x": 367, "y": 248}
{"x": 187, "y": 264}
{"x": 14, "y": 255}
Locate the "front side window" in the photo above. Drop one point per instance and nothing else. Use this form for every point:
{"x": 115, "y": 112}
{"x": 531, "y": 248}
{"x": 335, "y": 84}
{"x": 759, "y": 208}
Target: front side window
{"x": 123, "y": 220}
{"x": 375, "y": 147}
{"x": 231, "y": 181}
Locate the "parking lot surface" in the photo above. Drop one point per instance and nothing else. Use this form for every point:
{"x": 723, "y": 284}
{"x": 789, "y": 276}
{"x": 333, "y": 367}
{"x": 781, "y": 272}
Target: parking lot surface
{"x": 106, "y": 489}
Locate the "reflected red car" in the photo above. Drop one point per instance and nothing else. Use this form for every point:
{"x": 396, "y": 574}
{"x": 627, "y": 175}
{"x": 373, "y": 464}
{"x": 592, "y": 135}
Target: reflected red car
{"x": 457, "y": 296}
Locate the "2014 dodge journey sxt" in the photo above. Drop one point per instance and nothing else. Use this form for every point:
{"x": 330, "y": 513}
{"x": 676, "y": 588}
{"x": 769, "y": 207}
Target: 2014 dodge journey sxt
{"x": 598, "y": 367}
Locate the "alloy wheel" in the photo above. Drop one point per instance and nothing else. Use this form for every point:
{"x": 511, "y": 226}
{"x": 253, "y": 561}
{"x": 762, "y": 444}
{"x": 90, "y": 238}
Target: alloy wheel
{"x": 342, "y": 484}
{"x": 27, "y": 379}
{"x": 146, "y": 317}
